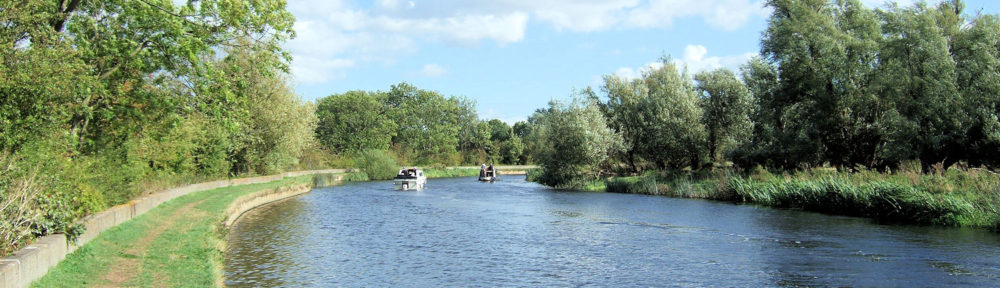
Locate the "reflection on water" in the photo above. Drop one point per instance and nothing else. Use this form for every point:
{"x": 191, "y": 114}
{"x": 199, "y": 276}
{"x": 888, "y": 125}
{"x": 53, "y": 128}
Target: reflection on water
{"x": 459, "y": 232}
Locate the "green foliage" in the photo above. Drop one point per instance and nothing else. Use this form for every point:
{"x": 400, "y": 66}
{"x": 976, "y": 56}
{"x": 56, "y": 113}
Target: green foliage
{"x": 632, "y": 185}
{"x": 376, "y": 164}
{"x": 846, "y": 85}
{"x": 353, "y": 122}
{"x": 429, "y": 123}
{"x": 954, "y": 197}
{"x": 420, "y": 126}
{"x": 960, "y": 198}
{"x": 574, "y": 141}
{"x": 511, "y": 151}
{"x": 657, "y": 116}
{"x": 276, "y": 125}
{"x": 727, "y": 105}
{"x": 104, "y": 99}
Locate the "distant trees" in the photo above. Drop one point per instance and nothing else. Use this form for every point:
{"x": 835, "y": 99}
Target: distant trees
{"x": 421, "y": 127}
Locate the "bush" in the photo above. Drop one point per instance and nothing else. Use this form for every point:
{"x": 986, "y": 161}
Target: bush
{"x": 378, "y": 165}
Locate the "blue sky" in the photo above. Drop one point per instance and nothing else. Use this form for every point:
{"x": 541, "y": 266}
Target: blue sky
{"x": 514, "y": 56}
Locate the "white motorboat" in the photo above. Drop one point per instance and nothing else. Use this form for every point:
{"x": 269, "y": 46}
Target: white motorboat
{"x": 409, "y": 179}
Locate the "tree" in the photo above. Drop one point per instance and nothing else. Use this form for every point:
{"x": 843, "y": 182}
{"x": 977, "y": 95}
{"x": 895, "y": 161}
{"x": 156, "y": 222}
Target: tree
{"x": 575, "y": 141}
{"x": 622, "y": 110}
{"x": 658, "y": 116}
{"x": 977, "y": 60}
{"x": 511, "y": 151}
{"x": 277, "y": 125}
{"x": 429, "y": 123}
{"x": 127, "y": 42}
{"x": 499, "y": 130}
{"x": 353, "y": 122}
{"x": 522, "y": 129}
{"x": 727, "y": 105}
{"x": 825, "y": 53}
{"x": 919, "y": 80}
{"x": 761, "y": 79}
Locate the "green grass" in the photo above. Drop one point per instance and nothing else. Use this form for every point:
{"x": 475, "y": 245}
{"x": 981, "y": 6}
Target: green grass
{"x": 955, "y": 197}
{"x": 185, "y": 254}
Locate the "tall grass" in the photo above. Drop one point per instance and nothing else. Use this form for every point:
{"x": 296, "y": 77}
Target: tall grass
{"x": 634, "y": 184}
{"x": 948, "y": 197}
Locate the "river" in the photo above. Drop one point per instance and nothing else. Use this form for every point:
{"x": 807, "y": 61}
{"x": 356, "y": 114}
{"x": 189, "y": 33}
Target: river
{"x": 459, "y": 232}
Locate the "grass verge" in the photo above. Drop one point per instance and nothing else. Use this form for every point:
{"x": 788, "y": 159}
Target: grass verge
{"x": 176, "y": 244}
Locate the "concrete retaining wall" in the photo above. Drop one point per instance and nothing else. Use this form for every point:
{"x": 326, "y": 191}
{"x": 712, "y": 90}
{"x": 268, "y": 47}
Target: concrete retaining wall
{"x": 260, "y": 198}
{"x": 24, "y": 266}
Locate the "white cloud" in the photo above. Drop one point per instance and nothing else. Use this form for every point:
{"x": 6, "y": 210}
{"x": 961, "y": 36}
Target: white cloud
{"x": 629, "y": 73}
{"x": 723, "y": 14}
{"x": 433, "y": 70}
{"x": 468, "y": 29}
{"x": 579, "y": 15}
{"x": 695, "y": 61}
{"x": 387, "y": 4}
{"x": 334, "y": 35}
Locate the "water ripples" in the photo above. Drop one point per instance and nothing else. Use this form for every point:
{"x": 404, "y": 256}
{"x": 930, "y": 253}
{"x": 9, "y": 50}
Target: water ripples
{"x": 459, "y": 232}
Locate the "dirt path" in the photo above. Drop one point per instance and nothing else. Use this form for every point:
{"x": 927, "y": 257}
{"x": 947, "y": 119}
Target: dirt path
{"x": 128, "y": 266}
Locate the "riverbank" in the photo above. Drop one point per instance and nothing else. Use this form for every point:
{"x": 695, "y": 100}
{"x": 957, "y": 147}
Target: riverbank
{"x": 469, "y": 171}
{"x": 177, "y": 243}
{"x": 136, "y": 249}
{"x": 955, "y": 197}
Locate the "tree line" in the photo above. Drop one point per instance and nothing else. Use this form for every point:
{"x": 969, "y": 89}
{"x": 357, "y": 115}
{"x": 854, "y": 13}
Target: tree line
{"x": 836, "y": 84}
{"x": 418, "y": 127}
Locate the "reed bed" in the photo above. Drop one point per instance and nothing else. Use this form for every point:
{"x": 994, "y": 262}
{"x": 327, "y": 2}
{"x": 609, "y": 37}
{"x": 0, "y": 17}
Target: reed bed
{"x": 958, "y": 197}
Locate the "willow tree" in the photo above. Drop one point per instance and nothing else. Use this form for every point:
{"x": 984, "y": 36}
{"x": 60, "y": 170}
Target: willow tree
{"x": 825, "y": 53}
{"x": 573, "y": 141}
{"x": 977, "y": 59}
{"x": 727, "y": 104}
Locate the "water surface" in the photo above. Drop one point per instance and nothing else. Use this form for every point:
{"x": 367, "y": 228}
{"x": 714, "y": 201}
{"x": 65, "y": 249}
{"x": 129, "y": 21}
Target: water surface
{"x": 459, "y": 232}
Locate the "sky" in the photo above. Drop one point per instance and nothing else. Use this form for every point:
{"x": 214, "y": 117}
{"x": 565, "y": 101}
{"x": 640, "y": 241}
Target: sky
{"x": 514, "y": 56}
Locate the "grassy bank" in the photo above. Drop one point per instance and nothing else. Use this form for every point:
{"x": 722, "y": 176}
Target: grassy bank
{"x": 955, "y": 197}
{"x": 177, "y": 244}
{"x": 451, "y": 172}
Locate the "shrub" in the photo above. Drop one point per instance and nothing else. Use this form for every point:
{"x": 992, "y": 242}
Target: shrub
{"x": 378, "y": 165}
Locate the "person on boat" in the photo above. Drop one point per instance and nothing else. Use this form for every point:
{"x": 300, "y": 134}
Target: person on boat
{"x": 482, "y": 170}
